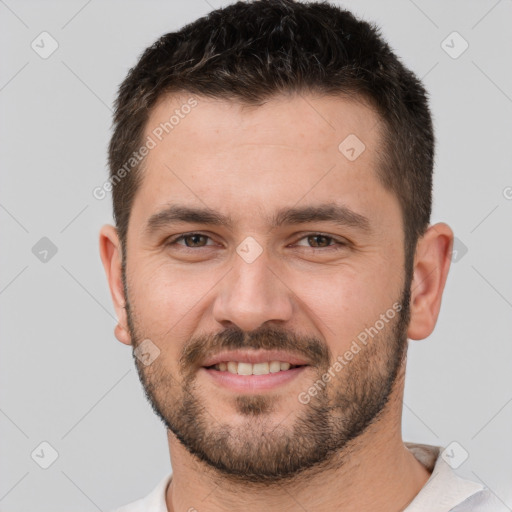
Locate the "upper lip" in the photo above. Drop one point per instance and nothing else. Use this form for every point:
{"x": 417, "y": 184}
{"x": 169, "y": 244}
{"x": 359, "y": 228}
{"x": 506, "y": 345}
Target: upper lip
{"x": 254, "y": 356}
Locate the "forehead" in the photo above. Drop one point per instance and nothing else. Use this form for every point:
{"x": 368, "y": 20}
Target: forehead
{"x": 302, "y": 122}
{"x": 221, "y": 154}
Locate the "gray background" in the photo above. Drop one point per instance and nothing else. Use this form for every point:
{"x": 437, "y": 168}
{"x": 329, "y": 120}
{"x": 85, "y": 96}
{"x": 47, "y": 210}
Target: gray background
{"x": 66, "y": 380}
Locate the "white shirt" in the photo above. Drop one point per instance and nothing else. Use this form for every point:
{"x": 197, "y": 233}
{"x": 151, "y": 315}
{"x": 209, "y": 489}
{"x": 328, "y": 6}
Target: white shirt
{"x": 444, "y": 491}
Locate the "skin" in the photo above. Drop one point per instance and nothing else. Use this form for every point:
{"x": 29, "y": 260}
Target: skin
{"x": 228, "y": 450}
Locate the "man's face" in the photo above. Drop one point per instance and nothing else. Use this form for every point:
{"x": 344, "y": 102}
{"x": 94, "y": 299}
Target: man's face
{"x": 306, "y": 286}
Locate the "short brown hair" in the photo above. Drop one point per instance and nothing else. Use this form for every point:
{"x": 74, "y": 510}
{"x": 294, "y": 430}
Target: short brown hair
{"x": 251, "y": 51}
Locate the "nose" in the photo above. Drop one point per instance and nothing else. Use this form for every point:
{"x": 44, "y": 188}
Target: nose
{"x": 252, "y": 294}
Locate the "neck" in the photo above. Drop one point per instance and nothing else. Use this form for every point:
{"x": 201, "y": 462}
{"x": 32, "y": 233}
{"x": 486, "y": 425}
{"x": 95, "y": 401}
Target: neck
{"x": 378, "y": 473}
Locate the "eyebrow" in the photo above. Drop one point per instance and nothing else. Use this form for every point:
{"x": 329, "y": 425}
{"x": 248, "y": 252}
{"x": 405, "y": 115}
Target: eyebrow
{"x": 331, "y": 212}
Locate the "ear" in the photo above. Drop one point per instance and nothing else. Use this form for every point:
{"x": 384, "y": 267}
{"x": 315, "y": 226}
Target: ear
{"x": 111, "y": 256}
{"x": 431, "y": 265}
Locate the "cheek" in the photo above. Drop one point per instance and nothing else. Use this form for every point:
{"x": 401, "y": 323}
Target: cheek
{"x": 338, "y": 303}
{"x": 164, "y": 293}
{"x": 342, "y": 304}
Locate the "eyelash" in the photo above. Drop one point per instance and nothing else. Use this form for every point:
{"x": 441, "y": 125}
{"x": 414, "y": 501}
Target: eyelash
{"x": 341, "y": 244}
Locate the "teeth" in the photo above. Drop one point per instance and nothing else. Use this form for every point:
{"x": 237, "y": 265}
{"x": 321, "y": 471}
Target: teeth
{"x": 245, "y": 368}
{"x": 259, "y": 368}
{"x": 252, "y": 369}
{"x": 275, "y": 366}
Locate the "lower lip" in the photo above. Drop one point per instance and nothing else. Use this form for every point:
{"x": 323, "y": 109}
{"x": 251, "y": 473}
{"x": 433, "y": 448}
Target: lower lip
{"x": 253, "y": 382}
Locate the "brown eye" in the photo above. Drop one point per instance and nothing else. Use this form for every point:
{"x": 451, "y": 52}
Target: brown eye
{"x": 319, "y": 241}
{"x": 196, "y": 240}
{"x": 192, "y": 240}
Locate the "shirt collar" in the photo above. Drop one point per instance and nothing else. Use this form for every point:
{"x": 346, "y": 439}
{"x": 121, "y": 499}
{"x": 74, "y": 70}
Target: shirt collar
{"x": 444, "y": 489}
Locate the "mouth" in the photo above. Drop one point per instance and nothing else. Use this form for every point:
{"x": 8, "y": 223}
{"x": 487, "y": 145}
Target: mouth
{"x": 250, "y": 378}
{"x": 241, "y": 368}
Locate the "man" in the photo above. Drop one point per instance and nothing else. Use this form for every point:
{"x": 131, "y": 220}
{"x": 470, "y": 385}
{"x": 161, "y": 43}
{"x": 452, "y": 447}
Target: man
{"x": 271, "y": 169}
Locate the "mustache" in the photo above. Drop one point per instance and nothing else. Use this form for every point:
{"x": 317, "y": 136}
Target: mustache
{"x": 263, "y": 338}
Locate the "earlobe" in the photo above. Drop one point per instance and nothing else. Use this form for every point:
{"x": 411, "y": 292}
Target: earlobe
{"x": 110, "y": 253}
{"x": 431, "y": 265}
